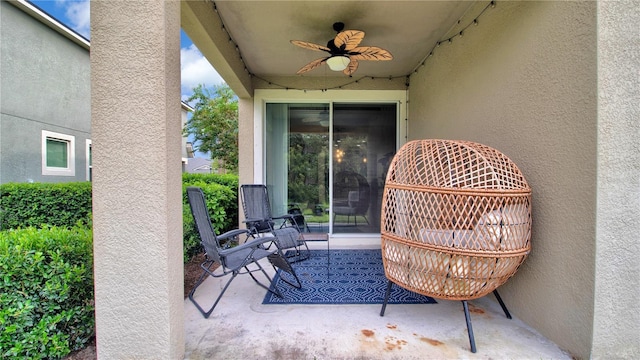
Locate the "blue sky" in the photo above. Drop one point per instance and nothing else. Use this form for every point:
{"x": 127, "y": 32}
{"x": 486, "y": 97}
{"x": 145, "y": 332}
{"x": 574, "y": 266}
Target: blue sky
{"x": 194, "y": 68}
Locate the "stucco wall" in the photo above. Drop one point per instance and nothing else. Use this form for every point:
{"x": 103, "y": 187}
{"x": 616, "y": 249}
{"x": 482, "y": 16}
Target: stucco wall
{"x": 524, "y": 81}
{"x": 616, "y": 315}
{"x": 45, "y": 85}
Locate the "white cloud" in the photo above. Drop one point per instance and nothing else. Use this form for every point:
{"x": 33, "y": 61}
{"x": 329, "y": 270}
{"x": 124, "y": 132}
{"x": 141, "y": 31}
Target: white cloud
{"x": 195, "y": 70}
{"x": 77, "y": 12}
{"x": 79, "y": 15}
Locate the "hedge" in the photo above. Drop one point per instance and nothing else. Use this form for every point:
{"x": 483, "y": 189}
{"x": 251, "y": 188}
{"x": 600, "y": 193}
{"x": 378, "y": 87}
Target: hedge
{"x": 37, "y": 204}
{"x": 67, "y": 204}
{"x": 46, "y": 292}
{"x": 229, "y": 180}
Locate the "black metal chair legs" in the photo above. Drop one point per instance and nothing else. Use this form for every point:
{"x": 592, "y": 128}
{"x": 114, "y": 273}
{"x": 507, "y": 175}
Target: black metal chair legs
{"x": 467, "y": 316}
{"x": 278, "y": 261}
{"x": 502, "y": 305}
{"x": 465, "y": 307}
{"x": 207, "y": 313}
{"x": 386, "y": 297}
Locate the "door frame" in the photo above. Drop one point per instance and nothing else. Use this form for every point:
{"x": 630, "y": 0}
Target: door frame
{"x": 264, "y": 96}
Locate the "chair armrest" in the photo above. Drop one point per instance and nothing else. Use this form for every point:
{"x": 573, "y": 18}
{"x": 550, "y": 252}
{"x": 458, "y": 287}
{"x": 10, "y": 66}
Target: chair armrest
{"x": 286, "y": 216}
{"x": 253, "y": 220}
{"x": 253, "y": 244}
{"x": 233, "y": 233}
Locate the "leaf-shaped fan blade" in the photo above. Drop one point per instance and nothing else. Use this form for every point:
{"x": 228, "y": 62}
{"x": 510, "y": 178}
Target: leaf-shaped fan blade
{"x": 349, "y": 38}
{"x": 311, "y": 46}
{"x": 370, "y": 53}
{"x": 312, "y": 65}
{"x": 353, "y": 66}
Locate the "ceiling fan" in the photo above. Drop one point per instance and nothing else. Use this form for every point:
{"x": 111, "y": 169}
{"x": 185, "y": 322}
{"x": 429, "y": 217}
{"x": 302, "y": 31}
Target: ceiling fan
{"x": 344, "y": 51}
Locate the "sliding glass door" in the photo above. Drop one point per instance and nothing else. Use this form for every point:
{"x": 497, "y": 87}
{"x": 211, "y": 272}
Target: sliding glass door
{"x": 328, "y": 161}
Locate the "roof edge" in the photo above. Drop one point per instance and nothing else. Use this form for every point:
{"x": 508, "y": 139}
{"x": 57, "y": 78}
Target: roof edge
{"x": 51, "y": 22}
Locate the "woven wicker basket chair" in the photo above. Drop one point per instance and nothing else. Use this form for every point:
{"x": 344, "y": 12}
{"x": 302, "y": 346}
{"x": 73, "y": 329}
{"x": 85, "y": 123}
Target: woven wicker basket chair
{"x": 456, "y": 221}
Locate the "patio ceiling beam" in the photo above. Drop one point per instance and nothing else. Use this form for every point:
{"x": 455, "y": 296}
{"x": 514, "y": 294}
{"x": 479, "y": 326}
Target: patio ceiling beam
{"x": 204, "y": 28}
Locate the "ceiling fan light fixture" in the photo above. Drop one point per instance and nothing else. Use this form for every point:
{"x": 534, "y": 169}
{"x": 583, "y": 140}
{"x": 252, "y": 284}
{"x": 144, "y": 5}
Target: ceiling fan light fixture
{"x": 338, "y": 62}
{"x": 344, "y": 51}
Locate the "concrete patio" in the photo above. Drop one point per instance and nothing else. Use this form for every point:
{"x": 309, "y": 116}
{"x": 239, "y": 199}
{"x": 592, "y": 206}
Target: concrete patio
{"x": 241, "y": 327}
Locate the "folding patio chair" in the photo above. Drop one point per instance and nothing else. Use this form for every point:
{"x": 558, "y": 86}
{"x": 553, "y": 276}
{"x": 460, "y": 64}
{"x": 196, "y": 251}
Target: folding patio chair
{"x": 232, "y": 260}
{"x": 259, "y": 220}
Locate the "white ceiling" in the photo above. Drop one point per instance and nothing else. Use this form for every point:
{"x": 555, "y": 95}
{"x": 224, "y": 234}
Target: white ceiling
{"x": 407, "y": 29}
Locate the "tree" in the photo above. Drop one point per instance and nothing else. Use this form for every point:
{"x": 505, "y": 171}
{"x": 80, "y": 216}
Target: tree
{"x": 214, "y": 124}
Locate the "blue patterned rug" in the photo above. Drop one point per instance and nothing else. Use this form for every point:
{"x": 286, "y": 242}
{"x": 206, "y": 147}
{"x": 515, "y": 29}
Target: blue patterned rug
{"x": 353, "y": 277}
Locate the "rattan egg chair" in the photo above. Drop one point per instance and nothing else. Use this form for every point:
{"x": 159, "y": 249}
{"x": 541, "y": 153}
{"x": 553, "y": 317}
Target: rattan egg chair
{"x": 456, "y": 221}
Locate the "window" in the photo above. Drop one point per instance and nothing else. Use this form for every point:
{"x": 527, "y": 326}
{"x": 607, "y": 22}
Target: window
{"x": 58, "y": 154}
{"x": 89, "y": 160}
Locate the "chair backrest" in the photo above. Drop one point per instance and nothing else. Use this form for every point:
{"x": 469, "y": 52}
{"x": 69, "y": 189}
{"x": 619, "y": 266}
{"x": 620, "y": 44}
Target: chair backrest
{"x": 346, "y": 181}
{"x": 363, "y": 201}
{"x": 359, "y": 200}
{"x": 354, "y": 196}
{"x": 203, "y": 222}
{"x": 296, "y": 214}
{"x": 255, "y": 203}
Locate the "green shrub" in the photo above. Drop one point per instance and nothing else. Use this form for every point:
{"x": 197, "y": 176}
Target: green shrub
{"x": 46, "y": 292}
{"x": 229, "y": 180}
{"x": 66, "y": 204}
{"x": 36, "y": 204}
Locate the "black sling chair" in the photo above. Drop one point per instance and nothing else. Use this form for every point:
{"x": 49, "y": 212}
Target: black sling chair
{"x": 232, "y": 260}
{"x": 259, "y": 220}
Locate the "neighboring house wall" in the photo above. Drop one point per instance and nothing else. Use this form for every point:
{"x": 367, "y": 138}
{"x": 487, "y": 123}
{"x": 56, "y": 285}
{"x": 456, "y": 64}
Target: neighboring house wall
{"x": 198, "y": 166}
{"x": 186, "y": 154}
{"x": 186, "y": 109}
{"x": 45, "y": 85}
{"x": 525, "y": 82}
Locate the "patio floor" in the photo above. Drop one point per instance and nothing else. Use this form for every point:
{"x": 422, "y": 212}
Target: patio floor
{"x": 242, "y": 328}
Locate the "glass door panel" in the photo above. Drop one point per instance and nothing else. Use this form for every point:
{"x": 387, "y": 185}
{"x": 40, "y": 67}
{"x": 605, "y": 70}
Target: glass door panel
{"x": 297, "y": 162}
{"x": 364, "y": 142}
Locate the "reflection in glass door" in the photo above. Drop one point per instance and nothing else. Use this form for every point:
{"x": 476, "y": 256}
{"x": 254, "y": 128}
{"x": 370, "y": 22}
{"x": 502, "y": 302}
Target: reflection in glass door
{"x": 364, "y": 142}
{"x": 297, "y": 162}
{"x": 335, "y": 186}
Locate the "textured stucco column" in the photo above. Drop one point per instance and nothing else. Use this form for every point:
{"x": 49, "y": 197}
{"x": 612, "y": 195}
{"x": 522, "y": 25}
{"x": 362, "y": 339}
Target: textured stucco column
{"x": 245, "y": 147}
{"x": 616, "y": 321}
{"x": 135, "y": 89}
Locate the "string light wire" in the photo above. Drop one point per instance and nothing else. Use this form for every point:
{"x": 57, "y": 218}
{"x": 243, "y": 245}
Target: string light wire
{"x": 460, "y": 33}
{"x": 351, "y": 80}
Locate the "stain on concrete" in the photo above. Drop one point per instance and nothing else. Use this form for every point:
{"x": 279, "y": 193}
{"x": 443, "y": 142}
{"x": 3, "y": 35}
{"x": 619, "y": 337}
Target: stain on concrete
{"x": 368, "y": 333}
{"x": 392, "y": 327}
{"x": 433, "y": 342}
{"x": 368, "y": 342}
{"x": 475, "y": 310}
{"x": 288, "y": 352}
{"x": 393, "y": 343}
